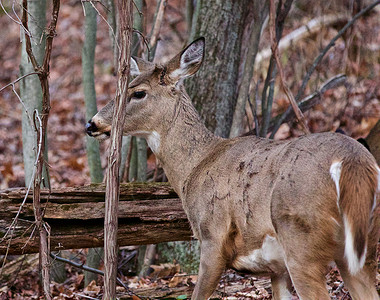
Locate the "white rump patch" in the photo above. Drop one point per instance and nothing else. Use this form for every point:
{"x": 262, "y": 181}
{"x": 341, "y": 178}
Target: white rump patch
{"x": 335, "y": 170}
{"x": 355, "y": 264}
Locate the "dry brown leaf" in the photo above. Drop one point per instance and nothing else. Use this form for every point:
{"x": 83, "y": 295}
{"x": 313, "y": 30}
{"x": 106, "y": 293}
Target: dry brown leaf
{"x": 164, "y": 270}
{"x": 92, "y": 288}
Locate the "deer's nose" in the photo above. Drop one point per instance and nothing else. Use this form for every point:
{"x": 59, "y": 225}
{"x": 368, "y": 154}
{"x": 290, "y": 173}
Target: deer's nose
{"x": 91, "y": 127}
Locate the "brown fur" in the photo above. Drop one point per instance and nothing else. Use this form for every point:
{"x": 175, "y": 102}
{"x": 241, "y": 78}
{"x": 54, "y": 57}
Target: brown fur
{"x": 358, "y": 187}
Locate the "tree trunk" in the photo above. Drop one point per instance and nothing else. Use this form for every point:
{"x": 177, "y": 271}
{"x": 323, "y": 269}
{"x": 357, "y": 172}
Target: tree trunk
{"x": 30, "y": 87}
{"x": 260, "y": 13}
{"x": 88, "y": 60}
{"x": 148, "y": 213}
{"x": 92, "y": 145}
{"x": 214, "y": 87}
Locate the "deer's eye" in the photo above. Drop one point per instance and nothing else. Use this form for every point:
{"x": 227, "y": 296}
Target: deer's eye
{"x": 139, "y": 95}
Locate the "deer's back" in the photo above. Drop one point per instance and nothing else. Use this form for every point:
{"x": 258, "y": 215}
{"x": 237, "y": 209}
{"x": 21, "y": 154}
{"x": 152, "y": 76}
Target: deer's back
{"x": 245, "y": 182}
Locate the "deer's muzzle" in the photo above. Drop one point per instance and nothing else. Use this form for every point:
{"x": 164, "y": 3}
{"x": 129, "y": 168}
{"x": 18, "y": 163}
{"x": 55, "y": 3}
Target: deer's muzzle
{"x": 91, "y": 128}
{"x": 94, "y": 131}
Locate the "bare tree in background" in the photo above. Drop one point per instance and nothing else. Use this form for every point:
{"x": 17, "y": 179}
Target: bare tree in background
{"x": 40, "y": 126}
{"x": 30, "y": 87}
{"x": 94, "y": 255}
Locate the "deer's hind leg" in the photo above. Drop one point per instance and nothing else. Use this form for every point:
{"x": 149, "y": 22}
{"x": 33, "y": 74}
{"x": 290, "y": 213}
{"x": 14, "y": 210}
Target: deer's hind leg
{"x": 307, "y": 255}
{"x": 281, "y": 287}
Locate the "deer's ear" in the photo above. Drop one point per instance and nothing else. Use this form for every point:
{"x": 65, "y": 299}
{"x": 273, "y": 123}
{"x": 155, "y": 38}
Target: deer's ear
{"x": 138, "y": 66}
{"x": 188, "y": 61}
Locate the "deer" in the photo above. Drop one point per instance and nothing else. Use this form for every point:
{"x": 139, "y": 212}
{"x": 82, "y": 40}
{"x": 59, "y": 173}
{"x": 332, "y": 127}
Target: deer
{"x": 283, "y": 209}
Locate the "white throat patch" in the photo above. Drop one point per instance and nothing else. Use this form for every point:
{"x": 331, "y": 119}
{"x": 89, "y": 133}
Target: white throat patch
{"x": 153, "y": 140}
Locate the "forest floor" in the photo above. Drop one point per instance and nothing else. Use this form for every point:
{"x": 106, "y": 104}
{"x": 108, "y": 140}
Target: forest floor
{"x": 354, "y": 107}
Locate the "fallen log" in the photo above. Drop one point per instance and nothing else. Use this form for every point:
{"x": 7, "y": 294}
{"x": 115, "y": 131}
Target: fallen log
{"x": 148, "y": 213}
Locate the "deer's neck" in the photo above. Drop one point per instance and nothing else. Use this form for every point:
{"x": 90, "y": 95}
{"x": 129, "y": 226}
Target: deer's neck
{"x": 182, "y": 143}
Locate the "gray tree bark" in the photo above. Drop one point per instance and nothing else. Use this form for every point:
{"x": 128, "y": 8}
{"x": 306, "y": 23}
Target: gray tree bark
{"x": 30, "y": 87}
{"x": 260, "y": 13}
{"x": 215, "y": 86}
{"x": 88, "y": 60}
{"x": 94, "y": 255}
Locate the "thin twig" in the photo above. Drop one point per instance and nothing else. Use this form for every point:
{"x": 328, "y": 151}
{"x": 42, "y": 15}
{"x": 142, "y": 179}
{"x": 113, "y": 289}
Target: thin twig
{"x": 267, "y": 100}
{"x": 104, "y": 19}
{"x": 31, "y": 234}
{"x": 331, "y": 44}
{"x": 157, "y": 24}
{"x": 137, "y": 8}
{"x": 43, "y": 70}
{"x": 145, "y": 40}
{"x": 84, "y": 296}
{"x": 86, "y": 268}
{"x": 17, "y": 80}
{"x": 17, "y": 22}
{"x": 23, "y": 104}
{"x": 288, "y": 93}
{"x": 310, "y": 100}
{"x": 14, "y": 222}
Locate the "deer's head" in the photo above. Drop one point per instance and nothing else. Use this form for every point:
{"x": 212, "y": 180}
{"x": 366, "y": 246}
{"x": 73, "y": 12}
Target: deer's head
{"x": 152, "y": 95}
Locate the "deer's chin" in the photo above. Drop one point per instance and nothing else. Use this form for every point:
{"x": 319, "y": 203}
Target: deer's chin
{"x": 101, "y": 136}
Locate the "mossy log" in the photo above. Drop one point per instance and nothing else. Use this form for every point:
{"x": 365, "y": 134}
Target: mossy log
{"x": 148, "y": 213}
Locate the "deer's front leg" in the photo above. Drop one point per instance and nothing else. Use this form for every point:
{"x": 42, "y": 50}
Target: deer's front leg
{"x": 212, "y": 265}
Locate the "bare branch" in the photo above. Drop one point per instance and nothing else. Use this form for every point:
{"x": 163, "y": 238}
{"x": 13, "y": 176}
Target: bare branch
{"x": 267, "y": 97}
{"x": 27, "y": 37}
{"x": 157, "y": 24}
{"x": 43, "y": 72}
{"x": 17, "y": 80}
{"x": 87, "y": 268}
{"x": 331, "y": 44}
{"x": 145, "y": 40}
{"x": 23, "y": 104}
{"x": 104, "y": 19}
{"x": 309, "y": 101}
{"x": 18, "y": 21}
{"x": 303, "y": 32}
{"x": 137, "y": 8}
{"x": 14, "y": 222}
{"x": 319, "y": 58}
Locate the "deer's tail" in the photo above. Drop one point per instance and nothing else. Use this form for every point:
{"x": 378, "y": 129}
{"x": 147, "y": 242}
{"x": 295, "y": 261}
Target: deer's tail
{"x": 357, "y": 183}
